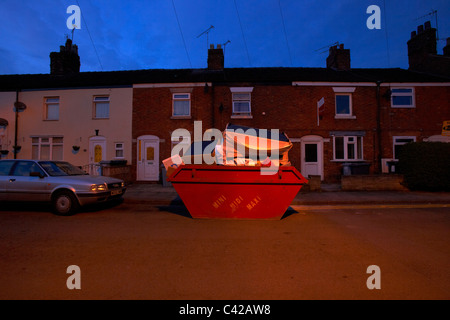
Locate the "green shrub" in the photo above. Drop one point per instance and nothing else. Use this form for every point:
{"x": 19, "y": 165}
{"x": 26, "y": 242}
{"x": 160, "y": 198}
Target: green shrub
{"x": 426, "y": 166}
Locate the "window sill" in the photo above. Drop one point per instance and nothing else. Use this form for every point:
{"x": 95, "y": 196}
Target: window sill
{"x": 403, "y": 107}
{"x": 352, "y": 160}
{"x": 180, "y": 117}
{"x": 241, "y": 116}
{"x": 344, "y": 117}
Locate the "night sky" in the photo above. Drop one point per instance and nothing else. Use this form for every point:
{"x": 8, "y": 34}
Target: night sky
{"x": 155, "y": 34}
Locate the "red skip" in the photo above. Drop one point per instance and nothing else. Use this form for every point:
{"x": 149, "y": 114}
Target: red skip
{"x": 236, "y": 192}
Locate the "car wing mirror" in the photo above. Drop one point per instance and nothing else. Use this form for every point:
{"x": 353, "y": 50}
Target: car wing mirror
{"x": 37, "y": 174}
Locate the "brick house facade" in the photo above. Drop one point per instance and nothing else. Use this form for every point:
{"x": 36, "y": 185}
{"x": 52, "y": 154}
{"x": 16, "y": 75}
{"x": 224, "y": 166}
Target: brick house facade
{"x": 367, "y": 114}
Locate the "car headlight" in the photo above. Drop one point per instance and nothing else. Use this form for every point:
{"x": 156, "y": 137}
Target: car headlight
{"x": 98, "y": 187}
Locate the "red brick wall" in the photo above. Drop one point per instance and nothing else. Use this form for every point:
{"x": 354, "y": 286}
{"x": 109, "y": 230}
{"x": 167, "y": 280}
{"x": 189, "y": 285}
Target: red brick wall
{"x": 152, "y": 115}
{"x": 432, "y": 108}
{"x": 292, "y": 109}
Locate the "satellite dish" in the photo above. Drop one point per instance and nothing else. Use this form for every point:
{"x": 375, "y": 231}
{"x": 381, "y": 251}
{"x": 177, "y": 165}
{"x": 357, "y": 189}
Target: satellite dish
{"x": 3, "y": 122}
{"x": 20, "y": 106}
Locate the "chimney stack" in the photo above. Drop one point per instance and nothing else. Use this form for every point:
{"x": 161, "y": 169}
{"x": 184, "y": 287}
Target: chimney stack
{"x": 447, "y": 48}
{"x": 216, "y": 59}
{"x": 65, "y": 61}
{"x": 339, "y": 58}
{"x": 421, "y": 45}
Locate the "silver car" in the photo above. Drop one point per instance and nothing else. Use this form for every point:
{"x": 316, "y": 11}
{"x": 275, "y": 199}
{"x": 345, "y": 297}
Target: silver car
{"x": 65, "y": 186}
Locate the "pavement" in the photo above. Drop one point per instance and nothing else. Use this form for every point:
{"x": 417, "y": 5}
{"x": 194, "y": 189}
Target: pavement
{"x": 157, "y": 194}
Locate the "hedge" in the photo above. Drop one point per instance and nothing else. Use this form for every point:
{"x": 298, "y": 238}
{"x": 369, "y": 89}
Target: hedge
{"x": 425, "y": 166}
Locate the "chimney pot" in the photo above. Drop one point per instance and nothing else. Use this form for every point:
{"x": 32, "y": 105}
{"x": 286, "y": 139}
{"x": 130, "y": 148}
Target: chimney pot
{"x": 420, "y": 29}
{"x": 413, "y": 34}
{"x": 427, "y": 25}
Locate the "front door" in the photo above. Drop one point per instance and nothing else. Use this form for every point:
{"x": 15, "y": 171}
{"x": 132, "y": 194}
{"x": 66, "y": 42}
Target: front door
{"x": 148, "y": 158}
{"x": 97, "y": 153}
{"x": 312, "y": 156}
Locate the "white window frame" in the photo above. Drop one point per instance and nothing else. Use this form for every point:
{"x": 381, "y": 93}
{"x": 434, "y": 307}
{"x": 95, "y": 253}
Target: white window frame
{"x": 358, "y": 147}
{"x": 50, "y": 143}
{"x": 47, "y": 104}
{"x": 181, "y": 96}
{"x": 235, "y": 92}
{"x": 403, "y": 94}
{"x": 119, "y": 146}
{"x": 97, "y": 100}
{"x": 344, "y": 91}
{"x": 396, "y": 142}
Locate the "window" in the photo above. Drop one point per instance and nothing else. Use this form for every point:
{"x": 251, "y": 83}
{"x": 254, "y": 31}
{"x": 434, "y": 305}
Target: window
{"x": 47, "y": 148}
{"x": 343, "y": 101}
{"x": 51, "y": 108}
{"x": 101, "y": 107}
{"x": 402, "y": 98}
{"x": 399, "y": 142}
{"x": 343, "y": 105}
{"x": 181, "y": 105}
{"x": 5, "y": 167}
{"x": 242, "y": 102}
{"x": 119, "y": 150}
{"x": 25, "y": 168}
{"x": 348, "y": 148}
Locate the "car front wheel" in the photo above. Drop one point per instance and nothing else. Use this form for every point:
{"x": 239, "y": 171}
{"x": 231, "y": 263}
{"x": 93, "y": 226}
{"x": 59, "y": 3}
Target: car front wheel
{"x": 64, "y": 203}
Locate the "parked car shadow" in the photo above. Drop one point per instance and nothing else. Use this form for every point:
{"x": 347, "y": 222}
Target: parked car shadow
{"x": 101, "y": 206}
{"x": 8, "y": 206}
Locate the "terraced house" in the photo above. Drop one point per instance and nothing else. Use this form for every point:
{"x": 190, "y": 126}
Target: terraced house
{"x": 341, "y": 120}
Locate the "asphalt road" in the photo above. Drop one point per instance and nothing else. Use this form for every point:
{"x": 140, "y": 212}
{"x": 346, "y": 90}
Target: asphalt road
{"x": 131, "y": 251}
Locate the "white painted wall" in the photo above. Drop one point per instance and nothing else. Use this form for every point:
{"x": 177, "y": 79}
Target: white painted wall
{"x": 76, "y": 123}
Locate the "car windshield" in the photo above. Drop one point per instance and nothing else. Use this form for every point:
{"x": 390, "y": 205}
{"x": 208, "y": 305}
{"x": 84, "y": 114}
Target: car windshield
{"x": 59, "y": 168}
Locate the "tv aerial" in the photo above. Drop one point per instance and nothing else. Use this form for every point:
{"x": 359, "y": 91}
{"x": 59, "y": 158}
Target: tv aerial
{"x": 326, "y": 48}
{"x": 72, "y": 32}
{"x": 224, "y": 45}
{"x": 207, "y": 35}
{"x": 435, "y": 14}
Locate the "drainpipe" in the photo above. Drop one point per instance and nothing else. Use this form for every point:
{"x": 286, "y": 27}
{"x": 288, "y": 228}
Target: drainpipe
{"x": 213, "y": 103}
{"x": 18, "y": 106}
{"x": 15, "y": 125}
{"x": 378, "y": 158}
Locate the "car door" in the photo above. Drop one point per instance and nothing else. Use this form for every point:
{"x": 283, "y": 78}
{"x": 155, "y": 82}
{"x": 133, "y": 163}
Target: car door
{"x": 5, "y": 168}
{"x": 22, "y": 186}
